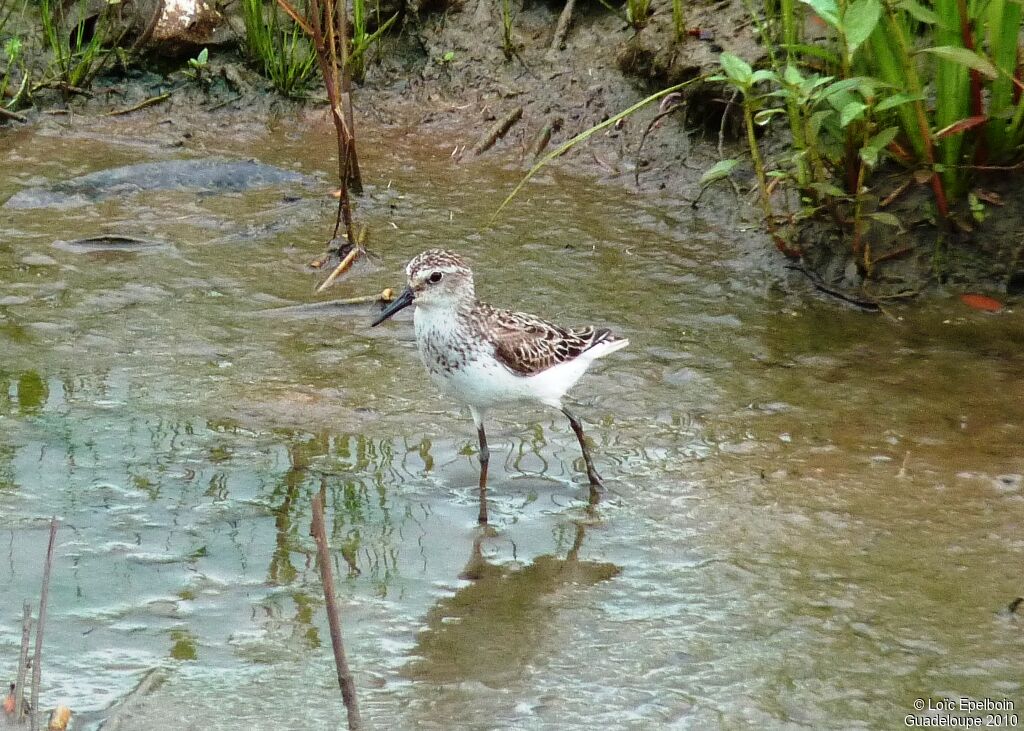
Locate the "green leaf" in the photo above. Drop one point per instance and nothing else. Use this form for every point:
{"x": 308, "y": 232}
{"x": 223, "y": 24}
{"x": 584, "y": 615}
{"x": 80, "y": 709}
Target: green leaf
{"x": 887, "y": 218}
{"x": 738, "y": 70}
{"x": 859, "y": 21}
{"x": 851, "y": 112}
{"x": 765, "y": 116}
{"x": 804, "y": 49}
{"x": 719, "y": 170}
{"x": 964, "y": 57}
{"x": 816, "y": 121}
{"x": 843, "y": 85}
{"x": 896, "y": 100}
{"x": 203, "y": 56}
{"x": 919, "y": 12}
{"x": 828, "y": 189}
{"x": 792, "y": 75}
{"x": 827, "y": 10}
{"x": 12, "y": 48}
{"x": 869, "y": 153}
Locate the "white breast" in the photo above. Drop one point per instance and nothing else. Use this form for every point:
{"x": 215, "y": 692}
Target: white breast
{"x": 463, "y": 364}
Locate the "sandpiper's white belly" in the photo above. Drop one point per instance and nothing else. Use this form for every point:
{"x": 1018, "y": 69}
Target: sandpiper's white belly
{"x": 464, "y": 365}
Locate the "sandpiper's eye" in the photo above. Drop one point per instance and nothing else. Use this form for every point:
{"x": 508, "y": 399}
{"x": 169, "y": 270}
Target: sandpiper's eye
{"x": 435, "y": 277}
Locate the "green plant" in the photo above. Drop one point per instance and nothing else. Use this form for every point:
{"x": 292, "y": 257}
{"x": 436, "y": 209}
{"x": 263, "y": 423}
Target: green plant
{"x": 961, "y": 54}
{"x": 507, "y": 45}
{"x": 739, "y": 74}
{"x": 678, "y": 21}
{"x": 362, "y": 39}
{"x": 197, "y": 65}
{"x": 76, "y": 43}
{"x": 637, "y": 12}
{"x": 279, "y": 46}
{"x": 6, "y": 11}
{"x": 934, "y": 89}
{"x": 14, "y": 61}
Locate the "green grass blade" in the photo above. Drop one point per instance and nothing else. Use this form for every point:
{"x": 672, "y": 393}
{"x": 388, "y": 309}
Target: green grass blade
{"x": 582, "y": 136}
{"x": 1004, "y": 22}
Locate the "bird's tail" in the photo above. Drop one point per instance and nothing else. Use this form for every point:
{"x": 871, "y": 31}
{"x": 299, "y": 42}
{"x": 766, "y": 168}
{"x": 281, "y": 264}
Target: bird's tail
{"x": 605, "y": 342}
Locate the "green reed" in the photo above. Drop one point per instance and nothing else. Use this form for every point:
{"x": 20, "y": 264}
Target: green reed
{"x": 637, "y": 12}
{"x": 507, "y": 44}
{"x": 929, "y": 88}
{"x": 362, "y": 38}
{"x": 678, "y": 21}
{"x": 278, "y": 46}
{"x": 77, "y": 50}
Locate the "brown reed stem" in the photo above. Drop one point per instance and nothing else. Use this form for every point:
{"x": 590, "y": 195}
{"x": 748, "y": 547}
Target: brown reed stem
{"x": 19, "y": 686}
{"x": 345, "y": 681}
{"x": 326, "y": 23}
{"x": 37, "y": 662}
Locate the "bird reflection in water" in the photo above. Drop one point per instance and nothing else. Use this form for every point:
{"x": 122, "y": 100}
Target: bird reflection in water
{"x": 490, "y": 629}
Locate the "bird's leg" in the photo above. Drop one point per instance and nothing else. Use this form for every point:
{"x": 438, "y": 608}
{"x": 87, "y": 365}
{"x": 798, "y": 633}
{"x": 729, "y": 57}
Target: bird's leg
{"x": 595, "y": 479}
{"x": 485, "y": 457}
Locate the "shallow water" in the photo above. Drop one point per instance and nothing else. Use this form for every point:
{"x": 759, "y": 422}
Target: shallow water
{"x": 814, "y": 515}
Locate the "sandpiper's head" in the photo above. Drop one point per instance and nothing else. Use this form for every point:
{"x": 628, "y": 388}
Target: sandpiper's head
{"x": 436, "y": 278}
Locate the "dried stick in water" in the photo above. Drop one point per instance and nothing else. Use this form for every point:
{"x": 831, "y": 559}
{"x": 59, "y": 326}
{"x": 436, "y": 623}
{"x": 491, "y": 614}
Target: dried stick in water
{"x": 19, "y": 687}
{"x": 345, "y": 681}
{"x": 37, "y": 662}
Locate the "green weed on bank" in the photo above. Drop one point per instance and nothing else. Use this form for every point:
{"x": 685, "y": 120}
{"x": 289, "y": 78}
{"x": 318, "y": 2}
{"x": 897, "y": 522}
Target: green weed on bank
{"x": 935, "y": 90}
{"x": 278, "y": 46}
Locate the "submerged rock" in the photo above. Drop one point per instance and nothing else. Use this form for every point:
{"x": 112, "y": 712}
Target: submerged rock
{"x": 199, "y": 175}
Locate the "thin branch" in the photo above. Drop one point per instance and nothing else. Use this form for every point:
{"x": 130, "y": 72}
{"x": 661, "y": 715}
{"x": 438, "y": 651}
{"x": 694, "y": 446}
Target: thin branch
{"x": 19, "y": 687}
{"x": 345, "y": 681}
{"x": 14, "y": 116}
{"x": 37, "y": 663}
{"x": 294, "y": 15}
{"x": 141, "y": 105}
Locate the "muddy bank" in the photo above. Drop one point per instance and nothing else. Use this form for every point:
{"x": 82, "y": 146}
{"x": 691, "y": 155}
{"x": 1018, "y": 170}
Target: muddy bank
{"x": 447, "y": 73}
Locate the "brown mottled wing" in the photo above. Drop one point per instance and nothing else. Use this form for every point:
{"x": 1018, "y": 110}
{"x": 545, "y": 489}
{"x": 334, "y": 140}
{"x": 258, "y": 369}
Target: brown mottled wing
{"x": 527, "y": 345}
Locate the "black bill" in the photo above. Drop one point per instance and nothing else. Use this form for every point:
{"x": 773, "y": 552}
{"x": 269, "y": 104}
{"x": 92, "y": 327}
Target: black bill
{"x": 400, "y": 303}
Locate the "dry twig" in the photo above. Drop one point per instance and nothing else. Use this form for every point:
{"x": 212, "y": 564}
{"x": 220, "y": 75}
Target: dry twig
{"x": 499, "y": 130}
{"x": 327, "y": 26}
{"x": 345, "y": 681}
{"x": 141, "y": 105}
{"x": 19, "y": 687}
{"x": 37, "y": 662}
{"x": 8, "y": 114}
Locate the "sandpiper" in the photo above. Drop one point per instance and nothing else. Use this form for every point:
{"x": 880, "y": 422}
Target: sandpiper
{"x": 486, "y": 357}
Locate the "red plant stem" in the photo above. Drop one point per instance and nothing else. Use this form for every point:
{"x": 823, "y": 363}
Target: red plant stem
{"x": 327, "y": 26}
{"x": 941, "y": 202}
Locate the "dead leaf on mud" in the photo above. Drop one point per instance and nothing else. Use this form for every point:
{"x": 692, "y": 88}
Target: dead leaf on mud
{"x": 981, "y": 302}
